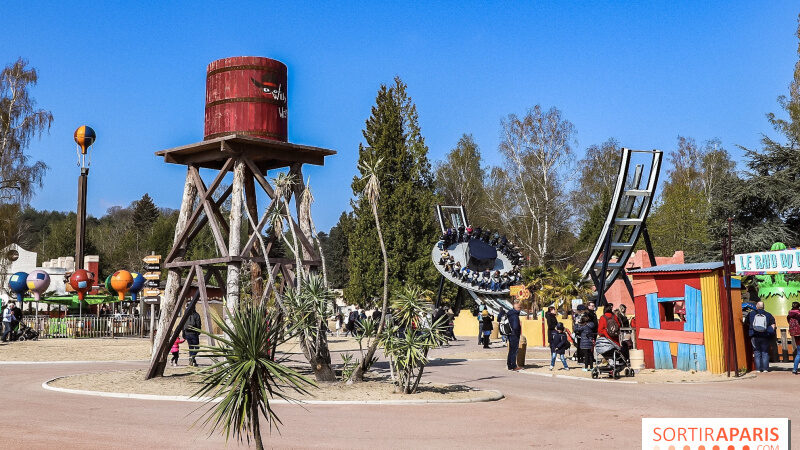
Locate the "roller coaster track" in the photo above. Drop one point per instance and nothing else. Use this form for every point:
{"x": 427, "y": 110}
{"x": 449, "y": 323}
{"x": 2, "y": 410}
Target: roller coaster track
{"x": 625, "y": 222}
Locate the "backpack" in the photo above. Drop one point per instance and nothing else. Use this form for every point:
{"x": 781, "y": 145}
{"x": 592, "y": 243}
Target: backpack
{"x": 794, "y": 327}
{"x": 612, "y": 326}
{"x": 760, "y": 322}
{"x": 505, "y": 326}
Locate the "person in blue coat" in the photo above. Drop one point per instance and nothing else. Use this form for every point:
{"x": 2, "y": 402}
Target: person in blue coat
{"x": 558, "y": 345}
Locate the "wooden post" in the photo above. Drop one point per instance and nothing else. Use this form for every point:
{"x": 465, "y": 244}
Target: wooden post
{"x": 256, "y": 283}
{"x": 234, "y": 239}
{"x": 80, "y": 229}
{"x": 170, "y": 298}
{"x": 303, "y": 221}
{"x": 152, "y": 325}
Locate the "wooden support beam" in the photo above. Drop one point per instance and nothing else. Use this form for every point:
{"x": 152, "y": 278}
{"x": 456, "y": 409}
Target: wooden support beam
{"x": 681, "y": 337}
{"x": 181, "y": 238}
{"x": 259, "y": 177}
{"x": 158, "y": 359}
{"x": 212, "y": 212}
{"x": 234, "y": 238}
{"x": 201, "y": 289}
{"x": 204, "y": 220}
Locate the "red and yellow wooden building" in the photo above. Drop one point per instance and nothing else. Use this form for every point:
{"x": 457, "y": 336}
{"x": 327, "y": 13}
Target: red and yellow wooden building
{"x": 682, "y": 317}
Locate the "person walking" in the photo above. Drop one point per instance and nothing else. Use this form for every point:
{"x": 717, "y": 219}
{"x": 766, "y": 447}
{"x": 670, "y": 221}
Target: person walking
{"x": 17, "y": 318}
{"x": 487, "y": 325}
{"x": 558, "y": 346}
{"x": 500, "y": 316}
{"x": 586, "y": 330}
{"x": 8, "y": 317}
{"x": 552, "y": 321}
{"x": 513, "y": 338}
{"x": 176, "y": 350}
{"x": 191, "y": 334}
{"x": 794, "y": 331}
{"x": 761, "y": 326}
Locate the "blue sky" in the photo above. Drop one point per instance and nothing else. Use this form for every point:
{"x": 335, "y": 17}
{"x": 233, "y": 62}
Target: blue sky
{"x": 642, "y": 72}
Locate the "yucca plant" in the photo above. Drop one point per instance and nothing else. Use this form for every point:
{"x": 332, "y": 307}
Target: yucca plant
{"x": 308, "y": 308}
{"x": 411, "y": 337}
{"x": 246, "y": 375}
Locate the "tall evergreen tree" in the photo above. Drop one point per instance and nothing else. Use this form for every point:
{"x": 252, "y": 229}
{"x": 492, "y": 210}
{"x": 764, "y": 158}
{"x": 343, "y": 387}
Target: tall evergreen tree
{"x": 337, "y": 250}
{"x": 392, "y": 134}
{"x": 145, "y": 212}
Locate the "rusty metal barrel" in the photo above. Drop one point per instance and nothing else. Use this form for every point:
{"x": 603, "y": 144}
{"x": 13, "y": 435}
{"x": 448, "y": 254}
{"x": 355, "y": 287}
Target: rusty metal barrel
{"x": 246, "y": 95}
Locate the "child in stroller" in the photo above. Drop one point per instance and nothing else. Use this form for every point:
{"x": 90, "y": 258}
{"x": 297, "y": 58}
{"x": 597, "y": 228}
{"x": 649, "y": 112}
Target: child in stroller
{"x": 615, "y": 365}
{"x": 24, "y": 333}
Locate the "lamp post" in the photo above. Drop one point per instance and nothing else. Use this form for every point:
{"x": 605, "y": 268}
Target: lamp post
{"x": 84, "y": 137}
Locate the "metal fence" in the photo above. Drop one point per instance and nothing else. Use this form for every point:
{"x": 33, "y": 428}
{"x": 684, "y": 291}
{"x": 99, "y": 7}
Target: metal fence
{"x": 86, "y": 326}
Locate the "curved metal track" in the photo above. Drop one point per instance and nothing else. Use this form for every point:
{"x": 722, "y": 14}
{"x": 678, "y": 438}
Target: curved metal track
{"x": 626, "y": 217}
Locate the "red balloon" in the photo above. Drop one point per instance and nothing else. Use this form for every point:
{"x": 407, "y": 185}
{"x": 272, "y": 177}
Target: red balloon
{"x": 81, "y": 281}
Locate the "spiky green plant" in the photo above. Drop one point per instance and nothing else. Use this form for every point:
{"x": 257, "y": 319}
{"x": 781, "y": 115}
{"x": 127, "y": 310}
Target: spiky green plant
{"x": 246, "y": 374}
{"x": 411, "y": 337}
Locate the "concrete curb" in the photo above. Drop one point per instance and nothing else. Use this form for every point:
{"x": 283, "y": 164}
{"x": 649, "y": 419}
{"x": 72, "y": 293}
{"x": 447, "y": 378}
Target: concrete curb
{"x": 571, "y": 377}
{"x": 20, "y": 363}
{"x": 491, "y": 395}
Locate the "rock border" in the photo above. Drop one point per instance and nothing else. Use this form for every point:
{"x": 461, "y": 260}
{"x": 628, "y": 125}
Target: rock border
{"x": 491, "y": 395}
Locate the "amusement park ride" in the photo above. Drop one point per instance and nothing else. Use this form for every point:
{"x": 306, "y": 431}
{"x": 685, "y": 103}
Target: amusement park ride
{"x": 625, "y": 222}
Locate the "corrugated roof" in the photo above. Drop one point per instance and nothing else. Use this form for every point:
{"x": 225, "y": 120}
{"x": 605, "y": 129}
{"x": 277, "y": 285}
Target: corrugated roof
{"x": 688, "y": 267}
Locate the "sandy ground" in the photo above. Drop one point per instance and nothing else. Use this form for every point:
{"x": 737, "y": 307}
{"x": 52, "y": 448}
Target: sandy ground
{"x": 185, "y": 381}
{"x": 96, "y": 349}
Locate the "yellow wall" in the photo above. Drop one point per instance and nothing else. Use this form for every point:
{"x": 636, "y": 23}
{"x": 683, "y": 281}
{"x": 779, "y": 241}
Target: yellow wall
{"x": 712, "y": 323}
{"x": 465, "y": 324}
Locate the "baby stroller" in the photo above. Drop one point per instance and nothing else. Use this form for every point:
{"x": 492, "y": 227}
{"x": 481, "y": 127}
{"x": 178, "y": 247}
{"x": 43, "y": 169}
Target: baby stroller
{"x": 25, "y": 333}
{"x": 614, "y": 364}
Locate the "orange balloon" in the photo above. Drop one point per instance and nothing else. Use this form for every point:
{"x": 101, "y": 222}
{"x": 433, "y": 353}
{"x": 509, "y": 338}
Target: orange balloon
{"x": 121, "y": 281}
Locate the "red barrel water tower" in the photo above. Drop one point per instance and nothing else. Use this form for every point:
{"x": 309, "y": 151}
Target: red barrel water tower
{"x": 246, "y": 95}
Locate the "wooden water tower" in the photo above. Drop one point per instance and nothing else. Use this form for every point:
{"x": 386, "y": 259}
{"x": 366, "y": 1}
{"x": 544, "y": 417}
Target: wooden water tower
{"x": 245, "y": 133}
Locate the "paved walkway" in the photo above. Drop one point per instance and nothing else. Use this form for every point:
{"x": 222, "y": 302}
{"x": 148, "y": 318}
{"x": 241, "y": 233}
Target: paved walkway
{"x": 537, "y": 412}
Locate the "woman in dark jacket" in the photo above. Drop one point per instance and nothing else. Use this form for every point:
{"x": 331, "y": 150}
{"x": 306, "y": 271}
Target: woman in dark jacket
{"x": 587, "y": 331}
{"x": 794, "y": 316}
{"x": 487, "y": 325}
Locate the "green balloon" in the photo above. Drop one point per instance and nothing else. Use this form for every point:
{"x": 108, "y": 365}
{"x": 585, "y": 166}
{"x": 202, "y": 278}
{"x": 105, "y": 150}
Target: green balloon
{"x": 110, "y": 289}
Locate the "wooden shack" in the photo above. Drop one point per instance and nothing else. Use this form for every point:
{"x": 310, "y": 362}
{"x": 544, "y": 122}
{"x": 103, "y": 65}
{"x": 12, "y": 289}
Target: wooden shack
{"x": 683, "y": 318}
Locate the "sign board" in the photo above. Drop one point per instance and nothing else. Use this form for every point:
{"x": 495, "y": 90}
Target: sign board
{"x": 152, "y": 259}
{"x": 152, "y": 267}
{"x": 151, "y": 292}
{"x": 152, "y": 275}
{"x": 519, "y": 292}
{"x": 152, "y": 300}
{"x": 151, "y": 283}
{"x": 760, "y": 263}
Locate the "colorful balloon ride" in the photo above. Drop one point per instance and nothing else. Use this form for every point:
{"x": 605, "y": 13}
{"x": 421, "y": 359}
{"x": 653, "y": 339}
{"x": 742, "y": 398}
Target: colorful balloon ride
{"x": 121, "y": 281}
{"x": 18, "y": 283}
{"x": 38, "y": 281}
{"x": 138, "y": 284}
{"x": 85, "y": 137}
{"x": 81, "y": 281}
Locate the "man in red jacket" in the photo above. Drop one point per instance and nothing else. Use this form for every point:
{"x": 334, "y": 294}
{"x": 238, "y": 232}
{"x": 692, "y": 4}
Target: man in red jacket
{"x": 609, "y": 325}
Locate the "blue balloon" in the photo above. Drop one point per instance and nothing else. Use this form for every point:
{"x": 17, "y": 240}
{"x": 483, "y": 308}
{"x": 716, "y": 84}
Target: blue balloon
{"x": 137, "y": 285}
{"x": 18, "y": 284}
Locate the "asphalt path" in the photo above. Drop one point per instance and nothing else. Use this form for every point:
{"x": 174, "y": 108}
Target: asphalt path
{"x": 539, "y": 412}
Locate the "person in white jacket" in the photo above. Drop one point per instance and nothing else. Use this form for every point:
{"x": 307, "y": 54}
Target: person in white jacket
{"x": 8, "y": 317}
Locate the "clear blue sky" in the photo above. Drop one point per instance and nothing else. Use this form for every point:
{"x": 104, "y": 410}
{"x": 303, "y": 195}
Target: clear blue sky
{"x": 640, "y": 72}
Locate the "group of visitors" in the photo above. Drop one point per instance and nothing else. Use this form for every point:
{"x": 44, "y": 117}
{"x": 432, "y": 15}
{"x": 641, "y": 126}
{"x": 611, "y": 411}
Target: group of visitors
{"x": 348, "y": 326}
{"x": 496, "y": 240}
{"x": 12, "y": 315}
{"x": 486, "y": 280}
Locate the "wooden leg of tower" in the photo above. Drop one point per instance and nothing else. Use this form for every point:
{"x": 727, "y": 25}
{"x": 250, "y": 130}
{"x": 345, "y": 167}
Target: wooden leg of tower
{"x": 170, "y": 297}
{"x": 256, "y": 282}
{"x": 235, "y": 238}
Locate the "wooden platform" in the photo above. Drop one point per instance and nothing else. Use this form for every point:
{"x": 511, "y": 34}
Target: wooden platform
{"x": 266, "y": 154}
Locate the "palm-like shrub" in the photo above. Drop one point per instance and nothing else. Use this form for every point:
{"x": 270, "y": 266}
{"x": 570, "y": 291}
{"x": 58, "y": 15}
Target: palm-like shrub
{"x": 246, "y": 373}
{"x": 308, "y": 307}
{"x": 410, "y": 337}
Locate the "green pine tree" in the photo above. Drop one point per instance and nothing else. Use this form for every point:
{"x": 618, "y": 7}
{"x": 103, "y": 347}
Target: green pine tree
{"x": 392, "y": 134}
